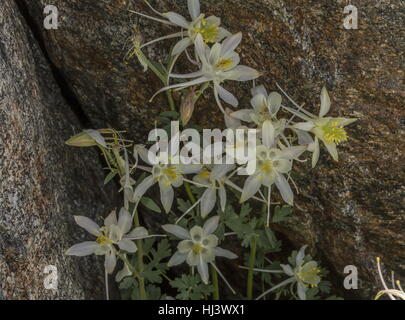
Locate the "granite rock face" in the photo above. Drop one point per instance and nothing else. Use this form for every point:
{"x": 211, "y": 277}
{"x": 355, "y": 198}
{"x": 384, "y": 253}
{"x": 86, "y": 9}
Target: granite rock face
{"x": 351, "y": 211}
{"x": 43, "y": 183}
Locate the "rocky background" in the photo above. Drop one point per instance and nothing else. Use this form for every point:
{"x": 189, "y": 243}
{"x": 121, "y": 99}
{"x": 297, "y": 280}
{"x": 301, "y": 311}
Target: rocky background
{"x": 349, "y": 212}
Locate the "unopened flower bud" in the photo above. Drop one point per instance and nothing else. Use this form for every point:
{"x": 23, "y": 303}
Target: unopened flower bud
{"x": 187, "y": 108}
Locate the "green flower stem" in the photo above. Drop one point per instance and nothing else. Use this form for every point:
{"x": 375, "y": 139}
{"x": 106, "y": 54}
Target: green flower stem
{"x": 141, "y": 267}
{"x": 215, "y": 282}
{"x": 252, "y": 260}
{"x": 189, "y": 193}
{"x": 172, "y": 104}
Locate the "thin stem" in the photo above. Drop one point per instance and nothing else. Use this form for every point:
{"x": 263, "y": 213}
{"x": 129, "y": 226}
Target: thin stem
{"x": 268, "y": 207}
{"x": 141, "y": 267}
{"x": 189, "y": 192}
{"x": 252, "y": 260}
{"x": 285, "y": 282}
{"x": 214, "y": 275}
{"x": 107, "y": 293}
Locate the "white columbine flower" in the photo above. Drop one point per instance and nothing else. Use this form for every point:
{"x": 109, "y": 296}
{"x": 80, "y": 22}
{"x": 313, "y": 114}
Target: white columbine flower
{"x": 304, "y": 274}
{"x": 168, "y": 175}
{"x": 271, "y": 165}
{"x": 265, "y": 107}
{"x": 218, "y": 64}
{"x": 214, "y": 178}
{"x": 199, "y": 246}
{"x": 329, "y": 130}
{"x": 114, "y": 234}
{"x": 209, "y": 28}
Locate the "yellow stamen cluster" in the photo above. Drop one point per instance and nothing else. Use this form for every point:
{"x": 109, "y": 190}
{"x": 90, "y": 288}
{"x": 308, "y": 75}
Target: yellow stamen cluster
{"x": 197, "y": 248}
{"x": 209, "y": 32}
{"x": 267, "y": 166}
{"x": 170, "y": 173}
{"x": 224, "y": 64}
{"x": 333, "y": 133}
{"x": 103, "y": 240}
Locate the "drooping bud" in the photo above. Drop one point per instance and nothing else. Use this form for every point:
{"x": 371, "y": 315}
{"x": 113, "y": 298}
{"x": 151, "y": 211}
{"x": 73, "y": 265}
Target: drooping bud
{"x": 87, "y": 138}
{"x": 187, "y": 107}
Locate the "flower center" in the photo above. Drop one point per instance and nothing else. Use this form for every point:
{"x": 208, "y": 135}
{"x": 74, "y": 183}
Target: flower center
{"x": 333, "y": 133}
{"x": 197, "y": 248}
{"x": 103, "y": 240}
{"x": 309, "y": 275}
{"x": 170, "y": 173}
{"x": 266, "y": 166}
{"x": 224, "y": 64}
{"x": 209, "y": 32}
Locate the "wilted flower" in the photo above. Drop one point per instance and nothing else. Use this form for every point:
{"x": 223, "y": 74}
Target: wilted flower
{"x": 114, "y": 234}
{"x": 271, "y": 165}
{"x": 208, "y": 28}
{"x": 219, "y": 63}
{"x": 329, "y": 130}
{"x": 199, "y": 246}
{"x": 187, "y": 107}
{"x": 87, "y": 138}
{"x": 214, "y": 178}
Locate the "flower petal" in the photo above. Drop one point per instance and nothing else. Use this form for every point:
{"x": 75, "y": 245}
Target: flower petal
{"x": 304, "y": 126}
{"x": 176, "y": 259}
{"x": 177, "y": 231}
{"x": 202, "y": 268}
{"x": 196, "y": 233}
{"x": 141, "y": 188}
{"x": 210, "y": 225}
{"x": 222, "y": 197}
{"x": 325, "y": 102}
{"x": 89, "y": 225}
{"x": 127, "y": 245}
{"x": 243, "y": 114}
{"x": 166, "y": 196}
{"x": 208, "y": 200}
{"x": 299, "y": 259}
{"x": 177, "y": 19}
{"x": 82, "y": 249}
{"x": 315, "y": 154}
{"x": 252, "y": 185}
{"x": 137, "y": 233}
{"x": 180, "y": 46}
{"x": 292, "y": 152}
{"x": 301, "y": 290}
{"x": 274, "y": 102}
{"x": 185, "y": 246}
{"x": 285, "y": 189}
{"x": 231, "y": 43}
{"x": 227, "y": 96}
{"x": 111, "y": 219}
{"x": 287, "y": 269}
{"x": 124, "y": 221}
{"x": 194, "y": 8}
{"x": 268, "y": 134}
{"x": 242, "y": 73}
{"x": 219, "y": 252}
{"x": 332, "y": 150}
{"x": 110, "y": 262}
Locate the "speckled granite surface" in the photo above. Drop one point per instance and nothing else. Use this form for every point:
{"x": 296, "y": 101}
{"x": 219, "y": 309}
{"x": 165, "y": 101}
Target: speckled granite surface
{"x": 43, "y": 183}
